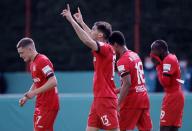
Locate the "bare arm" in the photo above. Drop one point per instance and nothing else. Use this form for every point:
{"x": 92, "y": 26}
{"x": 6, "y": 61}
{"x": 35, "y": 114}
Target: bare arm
{"x": 32, "y": 87}
{"x": 117, "y": 90}
{"x": 51, "y": 83}
{"x": 83, "y": 36}
{"x": 78, "y": 17}
{"x": 124, "y": 88}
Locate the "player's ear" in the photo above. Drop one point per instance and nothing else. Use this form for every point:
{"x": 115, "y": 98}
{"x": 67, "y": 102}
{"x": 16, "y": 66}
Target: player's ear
{"x": 100, "y": 35}
{"x": 30, "y": 49}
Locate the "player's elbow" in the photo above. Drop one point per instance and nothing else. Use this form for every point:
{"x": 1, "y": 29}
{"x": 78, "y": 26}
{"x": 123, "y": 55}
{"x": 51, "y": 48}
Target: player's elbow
{"x": 53, "y": 82}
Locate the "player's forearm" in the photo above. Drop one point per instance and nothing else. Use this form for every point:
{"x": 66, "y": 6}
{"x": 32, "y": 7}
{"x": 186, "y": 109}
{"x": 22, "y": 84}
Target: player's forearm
{"x": 32, "y": 87}
{"x": 51, "y": 83}
{"x": 85, "y": 28}
{"x": 164, "y": 80}
{"x": 83, "y": 36}
{"x": 117, "y": 90}
{"x": 123, "y": 93}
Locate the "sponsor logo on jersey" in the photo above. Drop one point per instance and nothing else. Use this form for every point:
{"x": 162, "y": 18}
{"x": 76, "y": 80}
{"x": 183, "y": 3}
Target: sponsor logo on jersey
{"x": 140, "y": 89}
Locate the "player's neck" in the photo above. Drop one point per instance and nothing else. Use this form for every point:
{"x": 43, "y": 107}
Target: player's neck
{"x": 34, "y": 54}
{"x": 122, "y": 50}
{"x": 165, "y": 54}
{"x": 102, "y": 40}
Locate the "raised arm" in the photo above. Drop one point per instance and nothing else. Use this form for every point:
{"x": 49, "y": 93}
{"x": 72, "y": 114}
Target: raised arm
{"x": 83, "y": 36}
{"x": 78, "y": 17}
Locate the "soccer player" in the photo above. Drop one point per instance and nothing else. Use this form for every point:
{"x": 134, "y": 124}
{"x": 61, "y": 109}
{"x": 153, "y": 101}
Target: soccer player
{"x": 133, "y": 101}
{"x": 169, "y": 75}
{"x": 103, "y": 112}
{"x": 44, "y": 86}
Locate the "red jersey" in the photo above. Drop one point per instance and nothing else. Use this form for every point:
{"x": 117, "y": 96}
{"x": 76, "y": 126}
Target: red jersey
{"x": 169, "y": 75}
{"x": 104, "y": 62}
{"x": 170, "y": 66}
{"x": 137, "y": 97}
{"x": 41, "y": 69}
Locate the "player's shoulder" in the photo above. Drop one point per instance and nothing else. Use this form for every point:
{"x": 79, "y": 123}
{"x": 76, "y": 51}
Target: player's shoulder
{"x": 131, "y": 56}
{"x": 106, "y": 46}
{"x": 101, "y": 43}
{"x": 170, "y": 58}
{"x": 124, "y": 58}
{"x": 42, "y": 59}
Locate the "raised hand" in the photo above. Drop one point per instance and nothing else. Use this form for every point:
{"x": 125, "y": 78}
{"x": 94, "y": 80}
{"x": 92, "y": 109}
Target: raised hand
{"x": 155, "y": 59}
{"x": 78, "y": 16}
{"x": 67, "y": 13}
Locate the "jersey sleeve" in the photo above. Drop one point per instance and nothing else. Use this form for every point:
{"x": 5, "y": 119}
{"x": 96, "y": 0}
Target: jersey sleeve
{"x": 46, "y": 68}
{"x": 123, "y": 68}
{"x": 169, "y": 66}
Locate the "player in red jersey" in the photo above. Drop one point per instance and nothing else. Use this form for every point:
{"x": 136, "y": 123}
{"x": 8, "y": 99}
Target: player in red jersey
{"x": 133, "y": 100}
{"x": 44, "y": 86}
{"x": 103, "y": 112}
{"x": 169, "y": 75}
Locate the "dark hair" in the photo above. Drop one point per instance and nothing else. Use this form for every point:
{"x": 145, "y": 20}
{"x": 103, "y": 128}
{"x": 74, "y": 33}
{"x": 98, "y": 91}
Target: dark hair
{"x": 117, "y": 37}
{"x": 104, "y": 27}
{"x": 160, "y": 44}
{"x": 25, "y": 42}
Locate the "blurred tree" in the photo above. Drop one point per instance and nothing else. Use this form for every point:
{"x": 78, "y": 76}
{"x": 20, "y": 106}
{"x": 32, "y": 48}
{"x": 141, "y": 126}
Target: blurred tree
{"x": 166, "y": 19}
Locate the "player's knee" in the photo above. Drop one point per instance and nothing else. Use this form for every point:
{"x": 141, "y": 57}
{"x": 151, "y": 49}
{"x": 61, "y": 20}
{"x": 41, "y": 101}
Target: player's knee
{"x": 91, "y": 129}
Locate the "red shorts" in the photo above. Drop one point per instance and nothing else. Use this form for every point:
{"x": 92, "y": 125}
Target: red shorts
{"x": 44, "y": 120}
{"x": 103, "y": 114}
{"x": 129, "y": 118}
{"x": 172, "y": 109}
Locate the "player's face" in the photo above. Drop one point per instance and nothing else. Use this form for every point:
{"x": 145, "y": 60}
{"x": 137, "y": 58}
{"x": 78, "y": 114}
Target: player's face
{"x": 116, "y": 48}
{"x": 95, "y": 33}
{"x": 24, "y": 53}
{"x": 155, "y": 51}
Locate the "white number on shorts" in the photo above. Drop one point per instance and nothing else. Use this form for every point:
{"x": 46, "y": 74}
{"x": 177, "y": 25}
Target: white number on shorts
{"x": 38, "y": 119}
{"x": 140, "y": 72}
{"x": 162, "y": 114}
{"x": 105, "y": 120}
